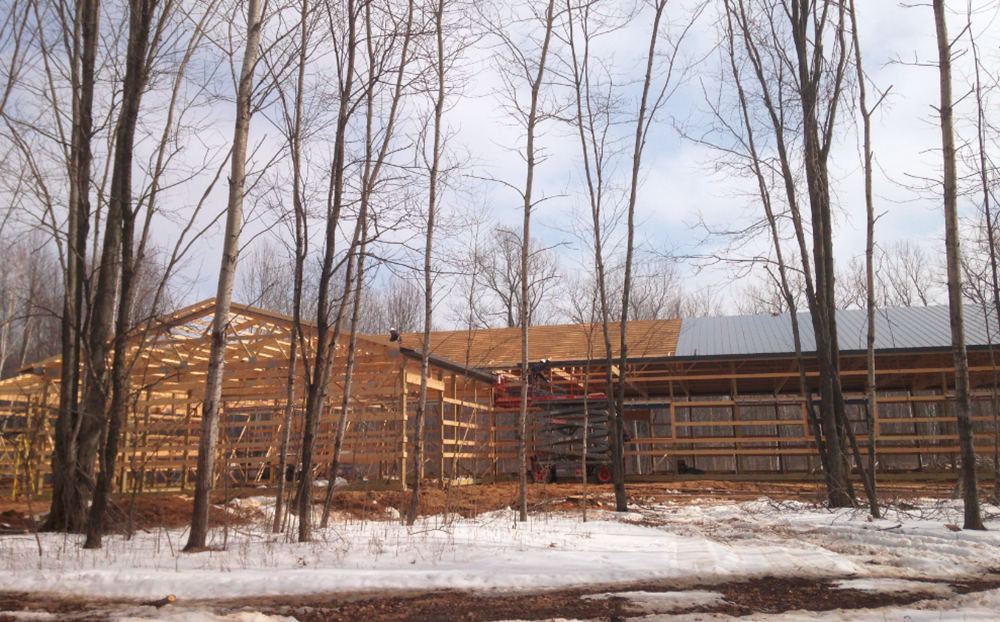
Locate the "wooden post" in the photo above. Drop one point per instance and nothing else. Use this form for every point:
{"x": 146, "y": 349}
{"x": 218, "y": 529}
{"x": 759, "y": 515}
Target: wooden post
{"x": 912, "y": 407}
{"x": 673, "y": 426}
{"x": 735, "y": 409}
{"x": 144, "y": 439}
{"x": 187, "y": 442}
{"x": 950, "y": 425}
{"x": 454, "y": 410}
{"x": 779, "y": 428}
{"x": 402, "y": 433}
{"x": 806, "y": 435}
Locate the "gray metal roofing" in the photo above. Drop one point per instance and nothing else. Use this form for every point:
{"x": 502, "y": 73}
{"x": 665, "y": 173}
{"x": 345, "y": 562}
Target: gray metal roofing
{"x": 895, "y": 329}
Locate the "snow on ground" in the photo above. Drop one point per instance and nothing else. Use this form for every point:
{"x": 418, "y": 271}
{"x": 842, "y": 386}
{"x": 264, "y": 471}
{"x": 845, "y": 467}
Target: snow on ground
{"x": 491, "y": 552}
{"x": 914, "y": 542}
{"x": 693, "y": 543}
{"x": 895, "y": 585}
{"x": 198, "y": 615}
{"x": 663, "y": 602}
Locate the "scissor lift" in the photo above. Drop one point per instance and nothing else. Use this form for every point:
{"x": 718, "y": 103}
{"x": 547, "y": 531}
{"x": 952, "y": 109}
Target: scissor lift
{"x": 559, "y": 443}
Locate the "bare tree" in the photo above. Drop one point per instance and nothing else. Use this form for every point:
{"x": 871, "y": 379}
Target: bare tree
{"x": 264, "y": 278}
{"x": 68, "y": 510}
{"x": 227, "y": 273}
{"x": 523, "y": 33}
{"x": 395, "y": 304}
{"x": 345, "y": 29}
{"x": 433, "y": 162}
{"x": 797, "y": 54}
{"x": 986, "y": 167}
{"x": 387, "y": 64}
{"x": 498, "y": 263}
{"x": 29, "y": 300}
{"x": 293, "y": 128}
{"x": 872, "y": 406}
{"x": 147, "y": 21}
{"x": 659, "y": 83}
{"x": 963, "y": 404}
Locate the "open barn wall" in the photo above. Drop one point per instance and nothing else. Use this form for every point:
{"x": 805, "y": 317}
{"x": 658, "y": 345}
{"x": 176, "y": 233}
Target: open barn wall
{"x": 747, "y": 416}
{"x": 160, "y": 440}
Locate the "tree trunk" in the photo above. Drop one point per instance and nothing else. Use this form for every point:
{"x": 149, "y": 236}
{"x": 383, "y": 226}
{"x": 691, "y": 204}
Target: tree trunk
{"x": 68, "y": 510}
{"x": 532, "y": 123}
{"x": 223, "y": 298}
{"x": 617, "y": 437}
{"x": 872, "y": 410}
{"x": 141, "y": 13}
{"x": 300, "y": 257}
{"x": 345, "y": 405}
{"x": 823, "y": 301}
{"x": 963, "y": 404}
{"x": 318, "y": 374}
{"x": 418, "y": 439}
{"x": 594, "y": 174}
{"x": 783, "y": 280}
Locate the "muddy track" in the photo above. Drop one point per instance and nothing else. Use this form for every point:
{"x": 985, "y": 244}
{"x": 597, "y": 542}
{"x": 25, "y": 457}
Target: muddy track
{"x": 742, "y": 598}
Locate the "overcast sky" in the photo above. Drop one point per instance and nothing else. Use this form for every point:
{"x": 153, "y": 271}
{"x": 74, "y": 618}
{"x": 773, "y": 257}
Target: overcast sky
{"x": 679, "y": 185}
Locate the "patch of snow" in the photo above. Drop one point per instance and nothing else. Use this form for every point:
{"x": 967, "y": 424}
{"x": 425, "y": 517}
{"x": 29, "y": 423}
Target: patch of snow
{"x": 34, "y": 616}
{"x": 323, "y": 483}
{"x": 895, "y": 585}
{"x": 199, "y": 615}
{"x": 663, "y": 602}
{"x": 490, "y": 552}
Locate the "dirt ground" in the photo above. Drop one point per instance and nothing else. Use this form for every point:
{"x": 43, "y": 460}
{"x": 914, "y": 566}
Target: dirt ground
{"x": 173, "y": 510}
{"x": 759, "y": 595}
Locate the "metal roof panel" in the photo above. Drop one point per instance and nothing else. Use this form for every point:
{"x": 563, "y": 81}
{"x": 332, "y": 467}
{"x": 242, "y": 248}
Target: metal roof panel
{"x": 895, "y": 328}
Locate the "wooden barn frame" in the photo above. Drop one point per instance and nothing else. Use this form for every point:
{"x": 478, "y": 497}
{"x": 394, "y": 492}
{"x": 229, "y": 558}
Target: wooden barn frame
{"x": 738, "y": 416}
{"x": 160, "y": 444}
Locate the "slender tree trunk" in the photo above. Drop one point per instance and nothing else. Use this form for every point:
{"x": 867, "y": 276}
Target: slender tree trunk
{"x": 432, "y": 200}
{"x": 68, "y": 511}
{"x": 315, "y": 408}
{"x": 783, "y": 280}
{"x": 141, "y": 16}
{"x": 872, "y": 410}
{"x": 592, "y": 151}
{"x": 809, "y": 55}
{"x": 617, "y": 437}
{"x": 963, "y": 404}
{"x": 223, "y": 298}
{"x": 522, "y": 417}
{"x": 374, "y": 160}
{"x": 345, "y": 405}
{"x": 808, "y": 22}
{"x": 319, "y": 377}
{"x": 300, "y": 256}
{"x": 984, "y": 178}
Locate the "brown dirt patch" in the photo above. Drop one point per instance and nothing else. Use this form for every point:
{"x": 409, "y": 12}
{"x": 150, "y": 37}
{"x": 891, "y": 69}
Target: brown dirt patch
{"x": 152, "y": 511}
{"x": 743, "y": 598}
{"x": 759, "y": 595}
{"x": 148, "y": 512}
{"x": 469, "y": 501}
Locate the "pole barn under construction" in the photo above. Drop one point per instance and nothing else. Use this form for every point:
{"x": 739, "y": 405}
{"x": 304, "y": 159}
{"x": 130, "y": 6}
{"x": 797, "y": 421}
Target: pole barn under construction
{"x": 716, "y": 395}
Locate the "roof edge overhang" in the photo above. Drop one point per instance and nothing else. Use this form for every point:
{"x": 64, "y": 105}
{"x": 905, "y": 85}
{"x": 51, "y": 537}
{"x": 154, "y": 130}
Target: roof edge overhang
{"x": 475, "y": 373}
{"x": 640, "y": 360}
